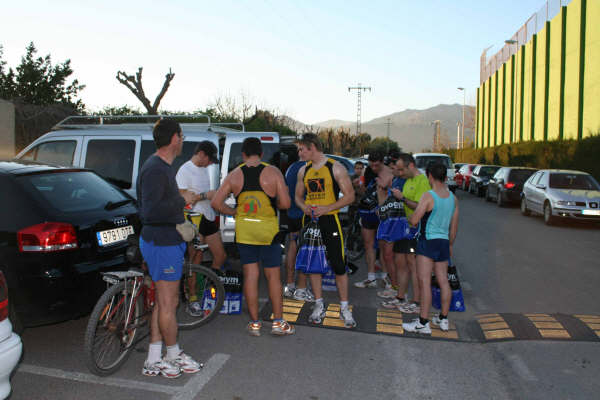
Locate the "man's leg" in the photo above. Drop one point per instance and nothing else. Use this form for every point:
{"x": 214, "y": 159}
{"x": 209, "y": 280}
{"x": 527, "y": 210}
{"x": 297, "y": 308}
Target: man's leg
{"x": 290, "y": 259}
{"x": 368, "y": 236}
{"x": 424, "y": 268}
{"x": 441, "y": 274}
{"x": 387, "y": 249}
{"x": 273, "y": 276}
{"x": 251, "y": 275}
{"x": 167, "y": 293}
{"x": 403, "y": 273}
{"x": 316, "y": 282}
{"x": 342, "y": 284}
{"x": 217, "y": 250}
{"x": 411, "y": 260}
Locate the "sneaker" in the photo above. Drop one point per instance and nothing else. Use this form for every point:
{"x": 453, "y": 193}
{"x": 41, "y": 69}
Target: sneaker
{"x": 442, "y": 323}
{"x": 366, "y": 283}
{"x": 410, "y": 308}
{"x": 416, "y": 326}
{"x": 281, "y": 328}
{"x": 195, "y": 309}
{"x": 162, "y": 367}
{"x": 253, "y": 328}
{"x": 388, "y": 293}
{"x": 387, "y": 282}
{"x": 304, "y": 295}
{"x": 394, "y": 303}
{"x": 346, "y": 316}
{"x": 186, "y": 363}
{"x": 318, "y": 313}
{"x": 288, "y": 291}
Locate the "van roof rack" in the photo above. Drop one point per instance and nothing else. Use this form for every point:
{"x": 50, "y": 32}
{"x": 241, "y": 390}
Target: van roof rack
{"x": 134, "y": 121}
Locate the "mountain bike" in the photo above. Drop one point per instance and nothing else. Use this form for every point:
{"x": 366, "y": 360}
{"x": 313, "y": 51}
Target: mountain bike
{"x": 121, "y": 317}
{"x": 355, "y": 248}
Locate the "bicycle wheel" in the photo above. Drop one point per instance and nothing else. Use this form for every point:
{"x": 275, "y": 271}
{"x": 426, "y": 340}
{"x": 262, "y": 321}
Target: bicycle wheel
{"x": 210, "y": 295}
{"x": 355, "y": 248}
{"x": 108, "y": 342}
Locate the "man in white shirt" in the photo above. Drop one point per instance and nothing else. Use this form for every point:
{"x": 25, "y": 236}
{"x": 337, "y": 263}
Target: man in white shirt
{"x": 193, "y": 177}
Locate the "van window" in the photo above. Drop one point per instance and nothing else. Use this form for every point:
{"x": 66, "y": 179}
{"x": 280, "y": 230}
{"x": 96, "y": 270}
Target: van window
{"x": 112, "y": 159}
{"x": 60, "y": 152}
{"x": 423, "y": 161}
{"x": 149, "y": 148}
{"x": 270, "y": 154}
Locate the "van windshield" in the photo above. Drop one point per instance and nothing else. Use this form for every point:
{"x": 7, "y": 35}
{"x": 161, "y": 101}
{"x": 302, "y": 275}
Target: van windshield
{"x": 423, "y": 161}
{"x": 270, "y": 154}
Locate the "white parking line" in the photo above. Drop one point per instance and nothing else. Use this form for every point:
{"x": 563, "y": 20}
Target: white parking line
{"x": 187, "y": 392}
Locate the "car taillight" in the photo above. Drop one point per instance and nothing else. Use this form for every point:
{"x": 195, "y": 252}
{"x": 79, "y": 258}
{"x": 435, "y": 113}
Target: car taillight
{"x": 266, "y": 138}
{"x": 3, "y": 298}
{"x": 509, "y": 185}
{"x": 47, "y": 237}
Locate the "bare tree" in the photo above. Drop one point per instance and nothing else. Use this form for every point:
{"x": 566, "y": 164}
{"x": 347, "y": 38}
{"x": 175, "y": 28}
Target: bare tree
{"x": 134, "y": 84}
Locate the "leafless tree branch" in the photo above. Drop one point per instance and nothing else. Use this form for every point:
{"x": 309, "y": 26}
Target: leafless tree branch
{"x": 134, "y": 84}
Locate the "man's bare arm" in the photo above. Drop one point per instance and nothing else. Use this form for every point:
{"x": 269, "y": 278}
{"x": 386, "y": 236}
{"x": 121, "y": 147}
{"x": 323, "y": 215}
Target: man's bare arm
{"x": 299, "y": 195}
{"x": 421, "y": 209}
{"x": 454, "y": 222}
{"x": 218, "y": 201}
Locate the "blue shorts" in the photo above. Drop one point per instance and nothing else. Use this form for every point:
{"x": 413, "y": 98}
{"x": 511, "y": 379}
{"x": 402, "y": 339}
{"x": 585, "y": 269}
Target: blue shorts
{"x": 165, "y": 263}
{"x": 436, "y": 249}
{"x": 269, "y": 255}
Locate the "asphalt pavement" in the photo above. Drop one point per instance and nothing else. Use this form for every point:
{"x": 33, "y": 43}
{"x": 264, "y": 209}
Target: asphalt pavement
{"x": 517, "y": 274}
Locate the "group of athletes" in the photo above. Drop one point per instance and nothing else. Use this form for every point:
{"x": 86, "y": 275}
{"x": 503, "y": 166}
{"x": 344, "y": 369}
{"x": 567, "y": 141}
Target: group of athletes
{"x": 314, "y": 187}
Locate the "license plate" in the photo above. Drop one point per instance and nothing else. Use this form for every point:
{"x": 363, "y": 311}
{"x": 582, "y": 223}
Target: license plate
{"x": 115, "y": 235}
{"x": 590, "y": 212}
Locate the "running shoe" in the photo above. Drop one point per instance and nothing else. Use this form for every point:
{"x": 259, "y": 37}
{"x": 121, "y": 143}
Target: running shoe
{"x": 318, "y": 313}
{"x": 282, "y": 328}
{"x": 288, "y": 291}
{"x": 346, "y": 316}
{"x": 366, "y": 283}
{"x": 253, "y": 328}
{"x": 394, "y": 303}
{"x": 444, "y": 324}
{"x": 387, "y": 282}
{"x": 410, "y": 308}
{"x": 163, "y": 367}
{"x": 195, "y": 309}
{"x": 416, "y": 326}
{"x": 387, "y": 293}
{"x": 186, "y": 363}
{"x": 304, "y": 295}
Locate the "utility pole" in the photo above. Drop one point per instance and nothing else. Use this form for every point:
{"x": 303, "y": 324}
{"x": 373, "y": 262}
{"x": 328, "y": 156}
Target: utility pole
{"x": 360, "y": 88}
{"x": 462, "y": 136}
{"x": 436, "y": 135}
{"x": 387, "y": 144}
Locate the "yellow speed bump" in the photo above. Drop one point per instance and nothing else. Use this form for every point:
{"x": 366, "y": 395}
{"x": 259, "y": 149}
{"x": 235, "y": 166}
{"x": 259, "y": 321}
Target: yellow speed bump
{"x": 494, "y": 327}
{"x": 548, "y": 326}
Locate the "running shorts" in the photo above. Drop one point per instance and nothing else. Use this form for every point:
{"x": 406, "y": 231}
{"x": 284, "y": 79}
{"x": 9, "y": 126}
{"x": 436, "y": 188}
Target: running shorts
{"x": 205, "y": 226}
{"x": 436, "y": 249}
{"x": 165, "y": 263}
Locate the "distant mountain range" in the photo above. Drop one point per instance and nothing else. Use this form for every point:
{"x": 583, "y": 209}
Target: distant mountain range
{"x": 412, "y": 129}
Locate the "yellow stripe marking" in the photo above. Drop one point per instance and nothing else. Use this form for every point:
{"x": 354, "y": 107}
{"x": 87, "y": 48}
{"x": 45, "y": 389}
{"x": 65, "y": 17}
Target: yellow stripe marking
{"x": 293, "y": 303}
{"x": 597, "y": 333}
{"x": 333, "y": 322}
{"x": 594, "y": 326}
{"x": 590, "y": 320}
{"x": 587, "y": 316}
{"x": 487, "y": 316}
{"x": 493, "y": 319}
{"x": 499, "y": 334}
{"x": 546, "y": 325}
{"x": 541, "y": 319}
{"x": 536, "y": 315}
{"x": 292, "y": 310}
{"x": 442, "y": 334}
{"x": 336, "y": 307}
{"x": 494, "y": 325}
{"x": 385, "y": 320}
{"x": 390, "y": 329}
{"x": 555, "y": 333}
{"x": 287, "y": 317}
{"x": 388, "y": 312}
{"x": 332, "y": 314}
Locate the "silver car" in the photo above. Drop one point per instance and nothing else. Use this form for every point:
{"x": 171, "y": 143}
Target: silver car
{"x": 556, "y": 194}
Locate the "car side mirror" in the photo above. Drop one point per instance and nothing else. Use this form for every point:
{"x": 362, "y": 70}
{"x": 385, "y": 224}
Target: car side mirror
{"x": 542, "y": 187}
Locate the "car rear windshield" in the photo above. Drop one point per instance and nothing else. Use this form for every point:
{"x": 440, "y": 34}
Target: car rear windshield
{"x": 270, "y": 154}
{"x": 71, "y": 191}
{"x": 520, "y": 175}
{"x": 423, "y": 161}
{"x": 573, "y": 181}
{"x": 488, "y": 171}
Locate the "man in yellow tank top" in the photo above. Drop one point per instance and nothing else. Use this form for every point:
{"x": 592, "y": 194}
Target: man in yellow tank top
{"x": 259, "y": 189}
{"x": 322, "y": 179}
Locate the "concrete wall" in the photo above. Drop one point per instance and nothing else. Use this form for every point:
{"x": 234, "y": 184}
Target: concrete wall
{"x": 550, "y": 90}
{"x": 7, "y": 129}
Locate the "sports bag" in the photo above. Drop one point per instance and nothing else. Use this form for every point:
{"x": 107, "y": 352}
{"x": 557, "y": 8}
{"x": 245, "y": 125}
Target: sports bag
{"x": 393, "y": 224}
{"x": 312, "y": 255}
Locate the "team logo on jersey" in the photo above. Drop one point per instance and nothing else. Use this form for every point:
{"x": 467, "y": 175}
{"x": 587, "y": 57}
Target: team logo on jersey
{"x": 251, "y": 205}
{"x": 316, "y": 185}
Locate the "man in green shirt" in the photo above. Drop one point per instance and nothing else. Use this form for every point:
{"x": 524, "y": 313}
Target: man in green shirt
{"x": 416, "y": 184}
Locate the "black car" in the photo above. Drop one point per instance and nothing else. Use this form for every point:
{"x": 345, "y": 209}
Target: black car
{"x": 480, "y": 178}
{"x": 59, "y": 227}
{"x": 507, "y": 184}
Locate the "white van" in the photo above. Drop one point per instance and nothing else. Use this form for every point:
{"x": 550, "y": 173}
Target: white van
{"x": 116, "y": 147}
{"x": 423, "y": 159}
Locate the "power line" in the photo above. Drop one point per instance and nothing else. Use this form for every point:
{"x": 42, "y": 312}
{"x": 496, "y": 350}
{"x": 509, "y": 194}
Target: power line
{"x": 359, "y": 89}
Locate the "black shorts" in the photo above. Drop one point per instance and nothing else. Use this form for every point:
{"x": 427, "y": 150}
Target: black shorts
{"x": 294, "y": 224}
{"x": 331, "y": 232}
{"x": 205, "y": 226}
{"x": 406, "y": 246}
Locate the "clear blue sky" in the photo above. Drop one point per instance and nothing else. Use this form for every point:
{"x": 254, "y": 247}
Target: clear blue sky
{"x": 297, "y": 57}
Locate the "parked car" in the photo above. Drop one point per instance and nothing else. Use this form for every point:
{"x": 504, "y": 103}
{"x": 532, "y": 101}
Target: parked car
{"x": 345, "y": 161}
{"x": 457, "y": 166}
{"x": 463, "y": 176}
{"x": 59, "y": 227}
{"x": 507, "y": 184}
{"x": 423, "y": 159}
{"x": 480, "y": 178}
{"x": 10, "y": 343}
{"x": 556, "y": 194}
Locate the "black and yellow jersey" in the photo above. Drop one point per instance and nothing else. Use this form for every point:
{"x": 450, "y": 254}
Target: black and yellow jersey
{"x": 321, "y": 186}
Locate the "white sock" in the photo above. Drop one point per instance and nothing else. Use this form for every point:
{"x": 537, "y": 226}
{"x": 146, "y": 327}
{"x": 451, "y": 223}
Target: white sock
{"x": 154, "y": 352}
{"x": 343, "y": 305}
{"x": 291, "y": 285}
{"x": 371, "y": 276}
{"x": 173, "y": 351}
{"x": 301, "y": 290}
{"x": 319, "y": 302}
{"x": 381, "y": 275}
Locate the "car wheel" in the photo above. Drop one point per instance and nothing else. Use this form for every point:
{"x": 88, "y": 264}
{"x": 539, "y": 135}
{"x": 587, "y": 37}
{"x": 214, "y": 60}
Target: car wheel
{"x": 548, "y": 217}
{"x": 487, "y": 195}
{"x": 471, "y": 188}
{"x": 524, "y": 210}
{"x": 480, "y": 192}
{"x": 499, "y": 199}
